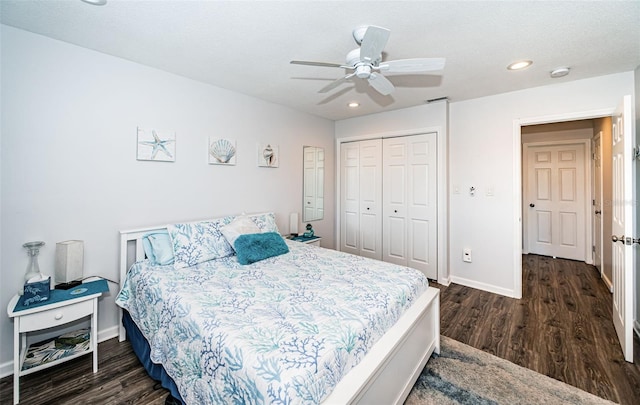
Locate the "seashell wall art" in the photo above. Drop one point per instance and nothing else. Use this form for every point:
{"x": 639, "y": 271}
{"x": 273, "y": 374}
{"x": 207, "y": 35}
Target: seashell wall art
{"x": 222, "y": 151}
{"x": 268, "y": 155}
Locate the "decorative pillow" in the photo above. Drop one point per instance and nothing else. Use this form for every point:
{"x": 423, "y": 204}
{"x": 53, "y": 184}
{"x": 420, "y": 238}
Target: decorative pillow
{"x": 254, "y": 247}
{"x": 199, "y": 242}
{"x": 158, "y": 247}
{"x": 266, "y": 222}
{"x": 242, "y": 225}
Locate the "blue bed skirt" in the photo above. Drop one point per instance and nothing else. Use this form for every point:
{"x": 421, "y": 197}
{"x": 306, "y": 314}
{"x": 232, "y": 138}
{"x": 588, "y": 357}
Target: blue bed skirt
{"x": 142, "y": 350}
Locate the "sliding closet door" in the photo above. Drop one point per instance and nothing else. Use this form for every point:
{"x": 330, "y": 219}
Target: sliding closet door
{"x": 409, "y": 202}
{"x": 361, "y": 189}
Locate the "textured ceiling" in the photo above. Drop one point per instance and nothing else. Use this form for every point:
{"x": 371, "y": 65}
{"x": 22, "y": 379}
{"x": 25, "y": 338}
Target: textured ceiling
{"x": 246, "y": 46}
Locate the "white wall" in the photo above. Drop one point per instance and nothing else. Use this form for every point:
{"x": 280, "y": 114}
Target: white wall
{"x": 69, "y": 168}
{"x": 428, "y": 117}
{"x": 482, "y": 154}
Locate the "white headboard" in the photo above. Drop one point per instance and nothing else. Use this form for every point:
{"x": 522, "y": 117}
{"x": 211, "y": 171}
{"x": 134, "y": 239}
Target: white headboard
{"x": 133, "y": 239}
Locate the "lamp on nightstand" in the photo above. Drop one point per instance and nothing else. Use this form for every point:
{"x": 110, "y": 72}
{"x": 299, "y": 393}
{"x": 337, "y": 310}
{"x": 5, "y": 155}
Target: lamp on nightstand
{"x": 293, "y": 224}
{"x": 69, "y": 263}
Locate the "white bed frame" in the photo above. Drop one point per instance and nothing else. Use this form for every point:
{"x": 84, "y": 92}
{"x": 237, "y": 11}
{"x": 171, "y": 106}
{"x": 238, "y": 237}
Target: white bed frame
{"x": 390, "y": 369}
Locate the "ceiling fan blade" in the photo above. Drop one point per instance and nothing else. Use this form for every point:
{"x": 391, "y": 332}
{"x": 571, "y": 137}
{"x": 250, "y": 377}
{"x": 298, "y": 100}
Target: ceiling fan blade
{"x": 381, "y": 84}
{"x": 335, "y": 83}
{"x": 412, "y": 65}
{"x": 310, "y": 63}
{"x": 373, "y": 43}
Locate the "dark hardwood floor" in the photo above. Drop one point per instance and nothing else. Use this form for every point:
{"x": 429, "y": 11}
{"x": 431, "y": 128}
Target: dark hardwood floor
{"x": 561, "y": 327}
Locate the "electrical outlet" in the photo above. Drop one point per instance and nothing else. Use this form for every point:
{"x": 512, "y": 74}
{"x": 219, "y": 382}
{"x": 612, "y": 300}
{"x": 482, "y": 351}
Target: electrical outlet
{"x": 466, "y": 255}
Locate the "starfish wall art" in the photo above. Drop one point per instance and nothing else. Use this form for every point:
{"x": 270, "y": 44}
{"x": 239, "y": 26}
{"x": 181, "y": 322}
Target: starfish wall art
{"x": 156, "y": 145}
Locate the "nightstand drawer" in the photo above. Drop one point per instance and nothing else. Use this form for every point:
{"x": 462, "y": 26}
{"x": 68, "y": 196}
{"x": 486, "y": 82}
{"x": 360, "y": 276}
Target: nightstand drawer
{"x": 55, "y": 316}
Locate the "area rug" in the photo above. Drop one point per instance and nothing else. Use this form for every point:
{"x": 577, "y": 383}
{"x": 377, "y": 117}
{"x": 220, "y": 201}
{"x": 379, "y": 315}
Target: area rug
{"x": 462, "y": 374}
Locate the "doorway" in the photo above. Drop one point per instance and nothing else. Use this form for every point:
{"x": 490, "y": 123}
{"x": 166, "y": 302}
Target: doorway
{"x": 594, "y": 135}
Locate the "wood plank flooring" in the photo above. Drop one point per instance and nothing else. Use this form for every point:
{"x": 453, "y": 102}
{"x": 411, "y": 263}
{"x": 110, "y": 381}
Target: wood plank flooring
{"x": 561, "y": 327}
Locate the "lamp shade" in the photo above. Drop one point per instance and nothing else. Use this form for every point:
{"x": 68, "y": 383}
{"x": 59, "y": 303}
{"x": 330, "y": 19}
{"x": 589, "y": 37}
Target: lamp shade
{"x": 293, "y": 223}
{"x": 69, "y": 260}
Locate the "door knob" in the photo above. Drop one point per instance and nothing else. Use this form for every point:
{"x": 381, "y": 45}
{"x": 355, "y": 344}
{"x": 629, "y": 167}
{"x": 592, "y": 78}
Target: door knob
{"x": 532, "y": 205}
{"x": 598, "y": 212}
{"x": 614, "y": 238}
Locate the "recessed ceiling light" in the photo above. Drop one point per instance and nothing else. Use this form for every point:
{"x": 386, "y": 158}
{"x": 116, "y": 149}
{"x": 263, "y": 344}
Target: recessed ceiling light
{"x": 521, "y": 64}
{"x": 354, "y": 104}
{"x": 559, "y": 72}
{"x": 96, "y": 2}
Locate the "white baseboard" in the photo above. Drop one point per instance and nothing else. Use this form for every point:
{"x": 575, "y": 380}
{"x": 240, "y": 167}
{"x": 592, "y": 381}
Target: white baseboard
{"x": 608, "y": 283}
{"x": 6, "y": 369}
{"x": 107, "y": 334}
{"x": 444, "y": 281}
{"x": 482, "y": 286}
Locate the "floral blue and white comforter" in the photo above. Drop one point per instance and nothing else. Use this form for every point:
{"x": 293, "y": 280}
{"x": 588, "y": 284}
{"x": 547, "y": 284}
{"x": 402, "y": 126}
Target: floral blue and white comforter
{"x": 284, "y": 330}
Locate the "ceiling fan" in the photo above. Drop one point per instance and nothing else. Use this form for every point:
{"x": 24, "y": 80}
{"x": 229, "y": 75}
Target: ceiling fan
{"x": 366, "y": 62}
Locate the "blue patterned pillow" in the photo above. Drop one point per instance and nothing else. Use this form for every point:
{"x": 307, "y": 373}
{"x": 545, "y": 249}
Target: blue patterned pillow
{"x": 266, "y": 222}
{"x": 254, "y": 247}
{"x": 199, "y": 242}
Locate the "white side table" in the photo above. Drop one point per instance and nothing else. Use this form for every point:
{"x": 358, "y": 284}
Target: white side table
{"x": 48, "y": 316}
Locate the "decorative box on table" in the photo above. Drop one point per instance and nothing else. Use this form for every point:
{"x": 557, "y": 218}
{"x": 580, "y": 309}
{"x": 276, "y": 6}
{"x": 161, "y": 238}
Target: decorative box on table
{"x": 37, "y": 291}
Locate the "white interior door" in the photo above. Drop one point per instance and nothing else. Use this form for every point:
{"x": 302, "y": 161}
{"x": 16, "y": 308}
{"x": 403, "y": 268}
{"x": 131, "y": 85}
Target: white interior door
{"x": 360, "y": 195}
{"x": 556, "y": 196}
{"x": 409, "y": 202}
{"x": 622, "y": 225}
{"x": 395, "y": 180}
{"x": 597, "y": 201}
{"x": 350, "y": 198}
{"x": 370, "y": 198}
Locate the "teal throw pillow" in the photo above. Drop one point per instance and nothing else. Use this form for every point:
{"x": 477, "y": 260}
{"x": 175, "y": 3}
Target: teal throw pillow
{"x": 254, "y": 247}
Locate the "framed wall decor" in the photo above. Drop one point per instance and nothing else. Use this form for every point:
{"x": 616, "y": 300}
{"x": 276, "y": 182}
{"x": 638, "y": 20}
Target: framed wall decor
{"x": 268, "y": 155}
{"x": 156, "y": 145}
{"x": 222, "y": 151}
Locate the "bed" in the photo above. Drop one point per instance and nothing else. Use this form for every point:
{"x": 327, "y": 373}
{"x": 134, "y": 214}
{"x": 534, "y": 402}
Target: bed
{"x": 311, "y": 325}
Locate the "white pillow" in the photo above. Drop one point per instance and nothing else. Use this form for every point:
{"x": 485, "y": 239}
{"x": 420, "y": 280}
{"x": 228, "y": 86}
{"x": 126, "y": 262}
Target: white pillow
{"x": 241, "y": 225}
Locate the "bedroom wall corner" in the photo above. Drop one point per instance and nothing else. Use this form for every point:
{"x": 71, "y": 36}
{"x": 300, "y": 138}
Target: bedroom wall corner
{"x": 68, "y": 158}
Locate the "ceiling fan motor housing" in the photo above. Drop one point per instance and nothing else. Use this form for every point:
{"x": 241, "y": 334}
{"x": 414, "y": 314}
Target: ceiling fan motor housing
{"x": 363, "y": 71}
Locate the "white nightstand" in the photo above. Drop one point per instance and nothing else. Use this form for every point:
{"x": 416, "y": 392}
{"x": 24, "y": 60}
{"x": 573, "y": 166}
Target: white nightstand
{"x": 57, "y": 313}
{"x": 314, "y": 240}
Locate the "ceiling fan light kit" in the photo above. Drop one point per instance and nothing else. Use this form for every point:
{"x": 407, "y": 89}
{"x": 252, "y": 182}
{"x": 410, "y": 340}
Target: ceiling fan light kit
{"x": 366, "y": 61}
